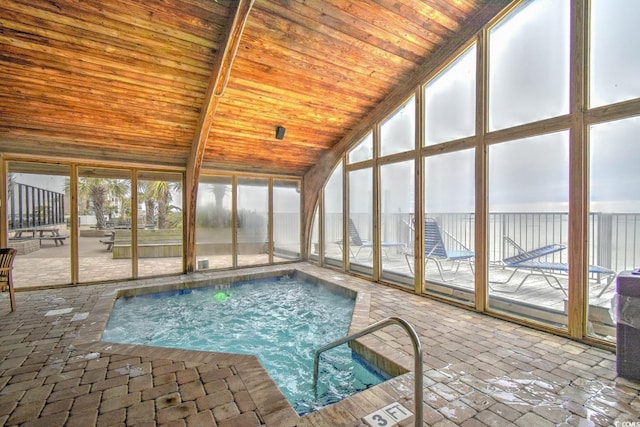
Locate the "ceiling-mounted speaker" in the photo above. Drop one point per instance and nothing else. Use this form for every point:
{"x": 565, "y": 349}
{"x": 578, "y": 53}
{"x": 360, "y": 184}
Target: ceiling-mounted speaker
{"x": 280, "y": 132}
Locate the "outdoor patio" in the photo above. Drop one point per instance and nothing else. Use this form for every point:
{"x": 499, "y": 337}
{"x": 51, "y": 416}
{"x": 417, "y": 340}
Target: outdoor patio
{"x": 535, "y": 299}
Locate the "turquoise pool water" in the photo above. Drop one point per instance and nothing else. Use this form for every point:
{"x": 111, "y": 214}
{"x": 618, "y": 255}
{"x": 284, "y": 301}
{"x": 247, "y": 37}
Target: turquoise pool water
{"x": 282, "y": 321}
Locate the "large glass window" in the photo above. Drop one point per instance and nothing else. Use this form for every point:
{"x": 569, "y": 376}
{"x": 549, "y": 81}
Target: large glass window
{"x": 396, "y": 214}
{"x": 160, "y": 236}
{"x": 253, "y": 221}
{"x": 333, "y": 210}
{"x": 529, "y": 64}
{"x": 615, "y": 41}
{"x": 214, "y": 228}
{"x": 104, "y": 215}
{"x": 314, "y": 250}
{"x": 360, "y": 222}
{"x": 450, "y": 101}
{"x": 527, "y": 182}
{"x": 449, "y": 224}
{"x": 398, "y": 133}
{"x": 614, "y": 218}
{"x": 362, "y": 151}
{"x": 286, "y": 220}
{"x": 38, "y": 213}
{"x": 528, "y": 227}
{"x": 215, "y": 245}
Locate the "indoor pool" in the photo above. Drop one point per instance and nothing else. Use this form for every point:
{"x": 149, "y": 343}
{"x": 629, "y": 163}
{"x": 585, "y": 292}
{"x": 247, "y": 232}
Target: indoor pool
{"x": 282, "y": 321}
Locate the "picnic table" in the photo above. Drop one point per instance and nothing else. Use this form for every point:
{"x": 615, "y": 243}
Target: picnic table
{"x": 41, "y": 232}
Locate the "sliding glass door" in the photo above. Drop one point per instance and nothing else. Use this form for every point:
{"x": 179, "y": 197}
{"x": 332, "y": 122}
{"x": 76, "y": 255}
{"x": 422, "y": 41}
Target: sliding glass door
{"x": 38, "y": 213}
{"x": 253, "y": 221}
{"x": 105, "y": 221}
{"x": 214, "y": 227}
{"x": 159, "y": 223}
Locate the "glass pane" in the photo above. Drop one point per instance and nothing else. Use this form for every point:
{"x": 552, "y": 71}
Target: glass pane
{"x": 360, "y": 222}
{"x": 615, "y": 35}
{"x": 614, "y": 220}
{"x": 528, "y": 212}
{"x": 314, "y": 250}
{"x": 397, "y": 202}
{"x": 213, "y": 223}
{"x": 450, "y": 101}
{"x": 286, "y": 220}
{"x": 449, "y": 225}
{"x": 398, "y": 133}
{"x": 159, "y": 223}
{"x": 529, "y": 64}
{"x": 253, "y": 221}
{"x": 104, "y": 214}
{"x": 38, "y": 213}
{"x": 363, "y": 150}
{"x": 333, "y": 217}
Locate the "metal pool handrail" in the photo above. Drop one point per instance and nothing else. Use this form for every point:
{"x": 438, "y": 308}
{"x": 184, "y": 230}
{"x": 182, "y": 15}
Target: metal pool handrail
{"x": 417, "y": 352}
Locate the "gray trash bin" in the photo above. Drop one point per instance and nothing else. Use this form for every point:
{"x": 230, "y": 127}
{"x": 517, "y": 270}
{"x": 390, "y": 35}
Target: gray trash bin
{"x": 628, "y": 324}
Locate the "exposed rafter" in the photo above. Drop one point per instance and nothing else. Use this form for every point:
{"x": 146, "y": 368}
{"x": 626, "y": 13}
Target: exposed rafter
{"x": 217, "y": 84}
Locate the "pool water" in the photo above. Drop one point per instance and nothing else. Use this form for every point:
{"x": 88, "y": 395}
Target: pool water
{"x": 282, "y": 321}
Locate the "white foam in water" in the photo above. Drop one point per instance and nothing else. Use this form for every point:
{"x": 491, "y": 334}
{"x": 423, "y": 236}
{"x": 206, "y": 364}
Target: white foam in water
{"x": 272, "y": 319}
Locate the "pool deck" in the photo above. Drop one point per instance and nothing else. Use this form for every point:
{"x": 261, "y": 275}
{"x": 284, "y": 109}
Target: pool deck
{"x": 478, "y": 370}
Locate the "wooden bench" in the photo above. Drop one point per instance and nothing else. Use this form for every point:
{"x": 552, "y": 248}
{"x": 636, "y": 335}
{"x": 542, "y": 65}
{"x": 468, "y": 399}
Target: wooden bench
{"x": 58, "y": 240}
{"x": 108, "y": 242}
{"x": 151, "y": 243}
{"x": 111, "y": 238}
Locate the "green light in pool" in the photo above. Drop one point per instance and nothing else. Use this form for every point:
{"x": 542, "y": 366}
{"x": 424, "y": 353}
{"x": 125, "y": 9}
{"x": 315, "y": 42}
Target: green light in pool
{"x": 221, "y": 296}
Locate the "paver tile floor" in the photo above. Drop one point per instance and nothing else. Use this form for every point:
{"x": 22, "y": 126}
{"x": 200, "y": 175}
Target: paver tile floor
{"x": 477, "y": 370}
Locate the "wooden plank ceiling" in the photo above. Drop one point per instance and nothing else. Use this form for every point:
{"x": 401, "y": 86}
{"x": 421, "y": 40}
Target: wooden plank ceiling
{"x": 125, "y": 80}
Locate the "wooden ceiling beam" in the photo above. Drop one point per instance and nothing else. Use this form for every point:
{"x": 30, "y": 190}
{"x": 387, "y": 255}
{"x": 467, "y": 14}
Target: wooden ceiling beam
{"x": 217, "y": 84}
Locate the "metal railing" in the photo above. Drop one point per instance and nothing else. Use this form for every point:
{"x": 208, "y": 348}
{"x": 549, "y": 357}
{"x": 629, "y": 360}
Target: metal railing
{"x": 29, "y": 206}
{"x": 417, "y": 352}
{"x": 614, "y": 238}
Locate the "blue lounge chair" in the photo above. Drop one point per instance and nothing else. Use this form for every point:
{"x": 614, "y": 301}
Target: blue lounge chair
{"x": 532, "y": 260}
{"x": 436, "y": 250}
{"x": 356, "y": 241}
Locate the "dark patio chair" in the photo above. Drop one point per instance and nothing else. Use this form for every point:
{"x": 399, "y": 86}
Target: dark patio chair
{"x": 436, "y": 250}
{"x": 7, "y": 256}
{"x": 356, "y": 241}
{"x": 534, "y": 261}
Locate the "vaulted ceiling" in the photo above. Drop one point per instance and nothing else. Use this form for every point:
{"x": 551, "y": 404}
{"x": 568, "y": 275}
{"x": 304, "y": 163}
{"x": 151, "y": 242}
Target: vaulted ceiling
{"x": 126, "y": 80}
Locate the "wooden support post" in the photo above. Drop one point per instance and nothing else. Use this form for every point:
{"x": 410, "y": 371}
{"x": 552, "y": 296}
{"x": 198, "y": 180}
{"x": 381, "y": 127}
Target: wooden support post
{"x": 217, "y": 84}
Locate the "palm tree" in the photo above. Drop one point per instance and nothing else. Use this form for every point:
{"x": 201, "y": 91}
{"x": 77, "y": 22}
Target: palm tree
{"x": 149, "y": 202}
{"x": 97, "y": 190}
{"x": 158, "y": 192}
{"x": 119, "y": 189}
